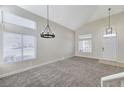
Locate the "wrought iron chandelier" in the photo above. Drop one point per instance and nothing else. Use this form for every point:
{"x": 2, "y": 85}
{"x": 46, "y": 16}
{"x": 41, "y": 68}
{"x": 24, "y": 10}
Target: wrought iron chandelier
{"x": 47, "y": 32}
{"x": 109, "y": 28}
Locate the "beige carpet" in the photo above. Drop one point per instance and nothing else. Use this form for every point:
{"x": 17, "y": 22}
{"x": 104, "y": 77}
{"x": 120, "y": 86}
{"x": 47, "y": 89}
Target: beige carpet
{"x": 72, "y": 72}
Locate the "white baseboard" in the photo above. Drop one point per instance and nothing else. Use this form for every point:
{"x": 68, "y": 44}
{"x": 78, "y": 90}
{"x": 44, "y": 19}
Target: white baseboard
{"x": 106, "y": 61}
{"x": 31, "y": 67}
{"x": 99, "y": 58}
{"x": 87, "y": 57}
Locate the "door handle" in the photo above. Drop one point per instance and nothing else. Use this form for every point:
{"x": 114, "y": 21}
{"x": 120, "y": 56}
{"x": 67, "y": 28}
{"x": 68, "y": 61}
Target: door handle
{"x": 103, "y": 49}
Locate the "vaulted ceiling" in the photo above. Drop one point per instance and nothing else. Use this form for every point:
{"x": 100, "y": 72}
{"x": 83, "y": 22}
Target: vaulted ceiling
{"x": 74, "y": 16}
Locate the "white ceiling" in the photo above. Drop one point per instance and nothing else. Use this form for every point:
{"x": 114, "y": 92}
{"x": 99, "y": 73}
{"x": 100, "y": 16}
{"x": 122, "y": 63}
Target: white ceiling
{"x": 73, "y": 16}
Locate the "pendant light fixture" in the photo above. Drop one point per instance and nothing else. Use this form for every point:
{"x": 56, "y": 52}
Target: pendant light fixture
{"x": 109, "y": 28}
{"x": 47, "y": 32}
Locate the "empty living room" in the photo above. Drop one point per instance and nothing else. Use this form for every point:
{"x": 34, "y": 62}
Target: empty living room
{"x": 48, "y": 45}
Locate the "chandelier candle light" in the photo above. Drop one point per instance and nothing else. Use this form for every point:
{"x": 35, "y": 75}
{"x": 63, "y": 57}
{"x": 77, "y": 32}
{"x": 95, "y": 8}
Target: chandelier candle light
{"x": 47, "y": 32}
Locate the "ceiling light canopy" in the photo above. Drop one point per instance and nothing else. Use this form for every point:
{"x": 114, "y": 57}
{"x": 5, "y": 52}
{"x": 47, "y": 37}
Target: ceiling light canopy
{"x": 47, "y": 32}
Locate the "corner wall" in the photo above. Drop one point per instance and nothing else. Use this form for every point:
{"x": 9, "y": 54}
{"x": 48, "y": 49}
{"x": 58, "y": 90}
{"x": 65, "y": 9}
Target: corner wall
{"x": 96, "y": 28}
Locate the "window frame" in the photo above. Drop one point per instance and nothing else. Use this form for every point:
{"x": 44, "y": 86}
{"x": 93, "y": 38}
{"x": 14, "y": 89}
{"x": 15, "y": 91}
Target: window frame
{"x": 19, "y": 18}
{"x": 22, "y": 50}
{"x": 82, "y": 38}
{"x": 20, "y": 30}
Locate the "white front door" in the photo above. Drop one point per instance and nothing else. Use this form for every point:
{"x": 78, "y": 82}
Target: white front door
{"x": 109, "y": 47}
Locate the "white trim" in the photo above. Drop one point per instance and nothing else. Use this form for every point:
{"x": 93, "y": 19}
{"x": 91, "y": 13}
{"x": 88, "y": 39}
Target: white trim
{"x": 122, "y": 83}
{"x": 87, "y": 56}
{"x": 112, "y": 77}
{"x": 31, "y": 67}
{"x": 85, "y": 36}
{"x": 115, "y": 60}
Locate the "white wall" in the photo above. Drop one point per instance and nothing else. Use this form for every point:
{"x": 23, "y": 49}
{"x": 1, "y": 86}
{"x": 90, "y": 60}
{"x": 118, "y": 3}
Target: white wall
{"x": 61, "y": 46}
{"x": 96, "y": 28}
{"x": 1, "y": 44}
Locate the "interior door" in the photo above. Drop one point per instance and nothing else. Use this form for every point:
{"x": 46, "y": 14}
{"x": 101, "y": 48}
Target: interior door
{"x": 109, "y": 47}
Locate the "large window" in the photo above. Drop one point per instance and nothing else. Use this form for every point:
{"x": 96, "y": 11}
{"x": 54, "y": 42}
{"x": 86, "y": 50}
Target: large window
{"x": 19, "y": 38}
{"x": 29, "y": 47}
{"x": 18, "y": 47}
{"x": 85, "y": 43}
{"x": 18, "y": 20}
{"x": 12, "y": 47}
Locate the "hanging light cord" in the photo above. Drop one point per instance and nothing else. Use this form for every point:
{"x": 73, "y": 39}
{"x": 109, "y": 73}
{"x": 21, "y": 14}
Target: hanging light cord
{"x": 2, "y": 21}
{"x": 47, "y": 33}
{"x": 109, "y": 17}
{"x": 48, "y": 15}
{"x": 2, "y": 16}
{"x": 47, "y": 18}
